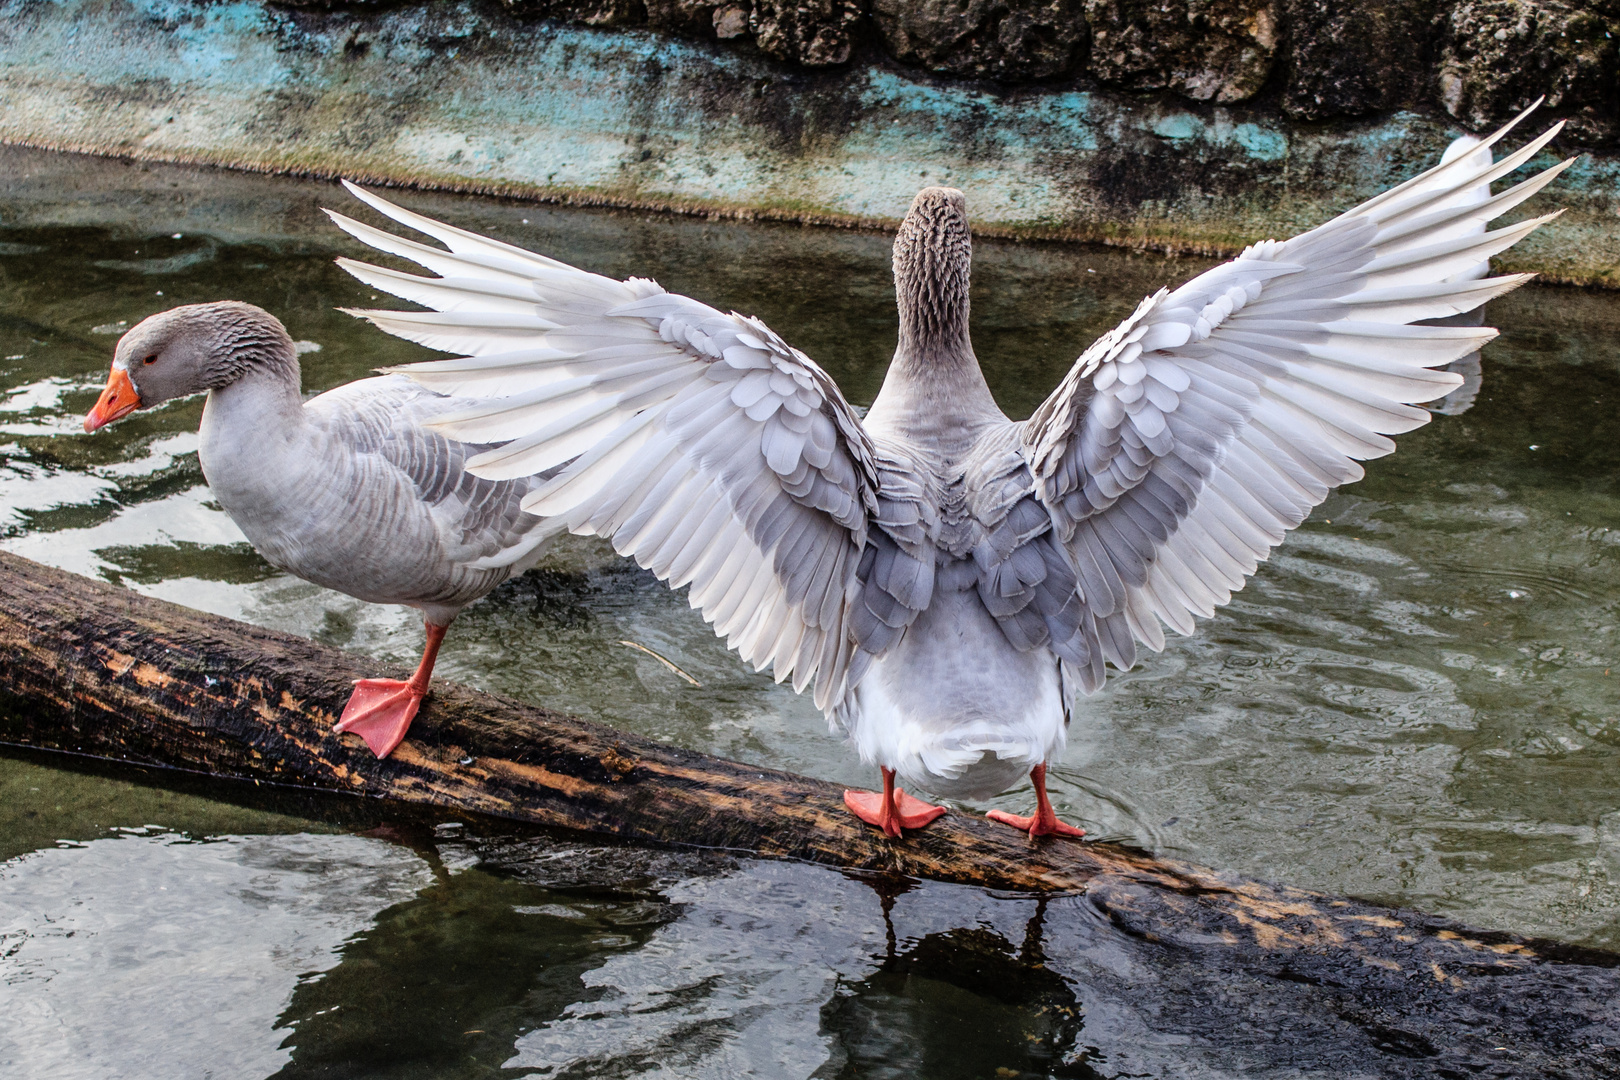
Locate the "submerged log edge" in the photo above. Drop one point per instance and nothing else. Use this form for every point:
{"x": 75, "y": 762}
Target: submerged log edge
{"x": 93, "y": 669}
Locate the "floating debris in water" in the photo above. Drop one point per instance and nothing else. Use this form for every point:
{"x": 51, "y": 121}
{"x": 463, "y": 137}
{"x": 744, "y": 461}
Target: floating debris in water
{"x": 302, "y": 347}
{"x": 111, "y": 327}
{"x": 663, "y": 660}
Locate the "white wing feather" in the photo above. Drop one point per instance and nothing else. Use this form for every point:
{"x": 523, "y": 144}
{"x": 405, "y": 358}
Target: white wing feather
{"x": 1184, "y": 444}
{"x": 699, "y": 443}
{"x": 1177, "y": 452}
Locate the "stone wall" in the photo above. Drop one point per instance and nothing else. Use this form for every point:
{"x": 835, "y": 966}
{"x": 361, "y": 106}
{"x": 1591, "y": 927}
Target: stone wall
{"x": 1478, "y": 61}
{"x": 1175, "y": 153}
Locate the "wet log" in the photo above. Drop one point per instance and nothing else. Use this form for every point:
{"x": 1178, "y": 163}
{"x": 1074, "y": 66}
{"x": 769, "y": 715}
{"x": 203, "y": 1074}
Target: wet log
{"x": 87, "y": 668}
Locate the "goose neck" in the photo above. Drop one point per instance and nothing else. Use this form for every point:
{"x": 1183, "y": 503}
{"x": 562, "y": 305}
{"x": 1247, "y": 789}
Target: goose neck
{"x": 264, "y": 401}
{"x": 934, "y": 400}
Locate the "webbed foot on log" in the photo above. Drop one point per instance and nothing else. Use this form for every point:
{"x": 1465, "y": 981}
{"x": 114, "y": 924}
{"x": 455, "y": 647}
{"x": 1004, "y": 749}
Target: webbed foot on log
{"x": 1044, "y": 822}
{"x": 892, "y": 810}
{"x": 380, "y": 711}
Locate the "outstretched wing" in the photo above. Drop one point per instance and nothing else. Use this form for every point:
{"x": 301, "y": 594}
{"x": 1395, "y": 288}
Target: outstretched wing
{"x": 699, "y": 443}
{"x": 1184, "y": 443}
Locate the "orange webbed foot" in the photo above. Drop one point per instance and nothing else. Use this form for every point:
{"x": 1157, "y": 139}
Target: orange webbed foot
{"x": 914, "y": 813}
{"x": 908, "y": 813}
{"x": 891, "y": 810}
{"x": 380, "y": 711}
{"x": 1044, "y": 822}
{"x": 1035, "y": 825}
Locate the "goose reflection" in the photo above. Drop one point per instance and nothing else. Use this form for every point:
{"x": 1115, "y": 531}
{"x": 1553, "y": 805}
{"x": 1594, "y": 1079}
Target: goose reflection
{"x": 779, "y": 969}
{"x": 1462, "y": 399}
{"x": 444, "y": 984}
{"x": 963, "y": 1002}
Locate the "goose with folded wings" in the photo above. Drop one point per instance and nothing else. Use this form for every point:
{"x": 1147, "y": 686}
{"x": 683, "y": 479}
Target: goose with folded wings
{"x": 349, "y": 489}
{"x": 943, "y": 579}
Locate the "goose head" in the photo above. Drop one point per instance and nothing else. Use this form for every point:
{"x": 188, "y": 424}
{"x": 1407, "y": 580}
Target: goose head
{"x": 933, "y": 256}
{"x": 188, "y": 350}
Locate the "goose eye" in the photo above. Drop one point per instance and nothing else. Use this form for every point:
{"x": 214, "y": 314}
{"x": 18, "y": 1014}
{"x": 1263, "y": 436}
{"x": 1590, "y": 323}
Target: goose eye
{"x": 150, "y": 359}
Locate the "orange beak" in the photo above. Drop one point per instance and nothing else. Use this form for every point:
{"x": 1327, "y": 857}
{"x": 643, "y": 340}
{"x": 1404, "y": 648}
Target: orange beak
{"x": 118, "y": 400}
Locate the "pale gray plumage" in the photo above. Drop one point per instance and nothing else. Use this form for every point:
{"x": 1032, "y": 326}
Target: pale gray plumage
{"x": 945, "y": 578}
{"x": 351, "y": 489}
{"x": 1470, "y": 366}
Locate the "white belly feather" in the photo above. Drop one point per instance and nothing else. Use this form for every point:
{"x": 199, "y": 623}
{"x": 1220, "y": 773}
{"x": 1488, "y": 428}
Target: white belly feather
{"x": 954, "y": 708}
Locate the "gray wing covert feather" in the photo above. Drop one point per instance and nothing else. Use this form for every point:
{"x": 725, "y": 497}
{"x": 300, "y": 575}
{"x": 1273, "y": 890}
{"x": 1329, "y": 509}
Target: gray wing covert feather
{"x": 896, "y": 572}
{"x": 480, "y": 520}
{"x": 1025, "y": 579}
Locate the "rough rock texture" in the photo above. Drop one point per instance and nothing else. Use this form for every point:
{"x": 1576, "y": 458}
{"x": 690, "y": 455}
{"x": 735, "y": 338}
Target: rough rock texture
{"x": 1354, "y": 57}
{"x": 694, "y": 18}
{"x": 1207, "y": 50}
{"x": 810, "y": 33}
{"x": 1010, "y": 40}
{"x": 730, "y": 21}
{"x": 600, "y": 13}
{"x": 815, "y": 33}
{"x": 1497, "y": 56}
{"x": 1478, "y": 60}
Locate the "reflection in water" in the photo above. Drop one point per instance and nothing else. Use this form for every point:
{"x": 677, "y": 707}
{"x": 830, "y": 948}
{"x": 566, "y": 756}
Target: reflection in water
{"x": 444, "y": 983}
{"x": 734, "y": 987}
{"x": 155, "y": 956}
{"x": 1470, "y": 367}
{"x": 963, "y": 1002}
{"x": 301, "y": 955}
{"x": 441, "y": 956}
{"x": 1460, "y": 400}
{"x": 796, "y": 971}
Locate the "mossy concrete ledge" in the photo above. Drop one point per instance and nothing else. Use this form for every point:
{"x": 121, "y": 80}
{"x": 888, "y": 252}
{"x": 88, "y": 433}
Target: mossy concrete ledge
{"x": 464, "y": 96}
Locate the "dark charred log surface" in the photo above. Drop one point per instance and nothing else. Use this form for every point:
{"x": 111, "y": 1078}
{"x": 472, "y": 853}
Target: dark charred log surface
{"x": 87, "y": 668}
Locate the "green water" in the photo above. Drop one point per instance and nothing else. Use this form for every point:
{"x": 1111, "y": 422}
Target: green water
{"x": 1417, "y": 700}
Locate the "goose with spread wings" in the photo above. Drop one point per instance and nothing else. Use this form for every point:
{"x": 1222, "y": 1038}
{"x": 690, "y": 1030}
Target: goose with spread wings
{"x": 945, "y": 580}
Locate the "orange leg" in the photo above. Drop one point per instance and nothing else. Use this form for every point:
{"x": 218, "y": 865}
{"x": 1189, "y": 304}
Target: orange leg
{"x": 380, "y": 711}
{"x": 893, "y": 810}
{"x": 1045, "y": 821}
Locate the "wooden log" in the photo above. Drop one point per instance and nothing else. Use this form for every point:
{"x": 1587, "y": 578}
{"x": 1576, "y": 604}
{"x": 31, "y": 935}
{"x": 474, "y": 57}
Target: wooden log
{"x": 91, "y": 669}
